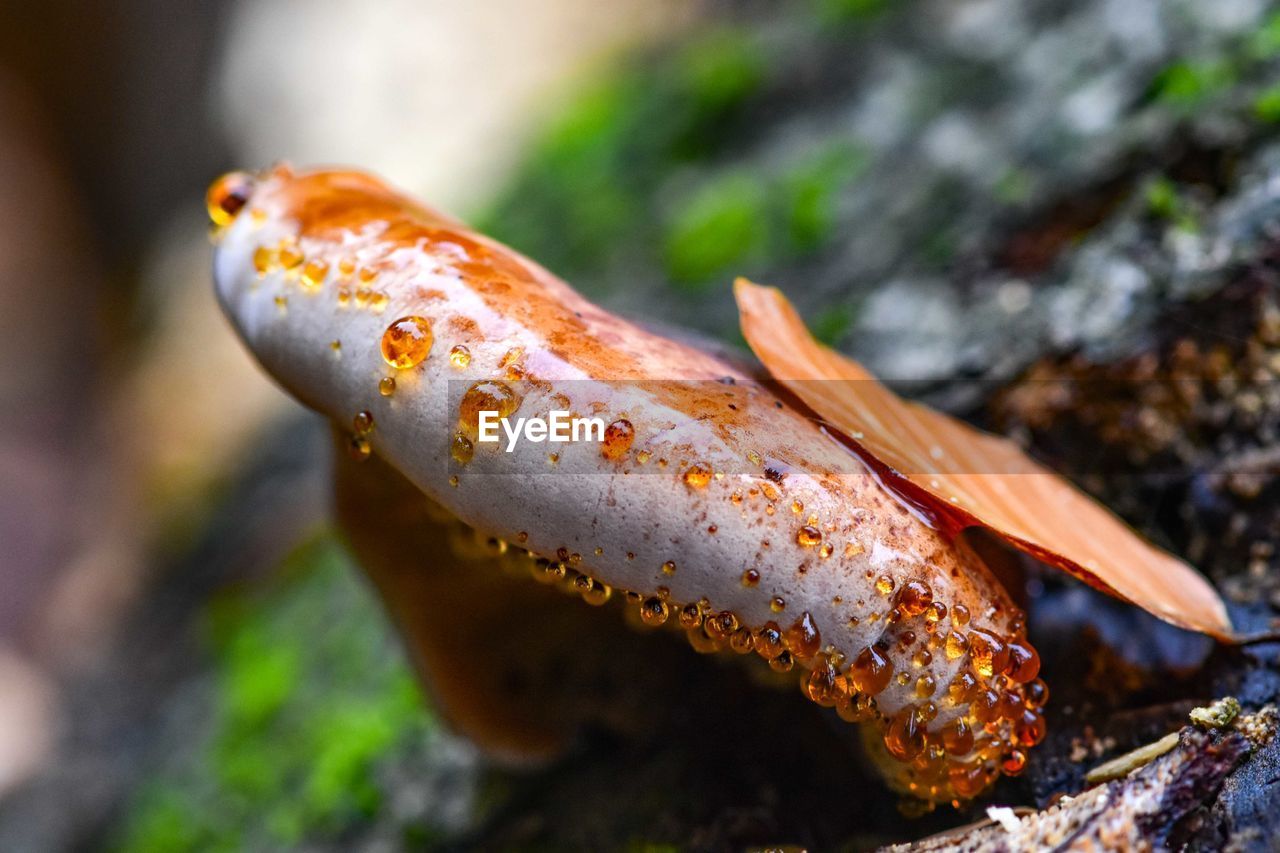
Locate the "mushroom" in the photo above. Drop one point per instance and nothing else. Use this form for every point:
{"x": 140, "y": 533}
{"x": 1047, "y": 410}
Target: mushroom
{"x": 710, "y": 500}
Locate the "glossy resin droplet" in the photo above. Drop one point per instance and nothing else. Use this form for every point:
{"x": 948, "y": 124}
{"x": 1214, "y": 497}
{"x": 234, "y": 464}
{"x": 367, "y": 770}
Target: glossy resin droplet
{"x": 618, "y": 437}
{"x": 489, "y": 395}
{"x": 227, "y": 196}
{"x": 460, "y": 356}
{"x": 697, "y": 475}
{"x": 407, "y": 342}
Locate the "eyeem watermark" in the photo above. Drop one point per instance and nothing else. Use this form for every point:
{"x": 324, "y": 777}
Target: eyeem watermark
{"x": 558, "y": 426}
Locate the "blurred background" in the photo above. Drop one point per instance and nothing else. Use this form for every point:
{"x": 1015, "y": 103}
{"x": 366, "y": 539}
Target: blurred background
{"x": 968, "y": 195}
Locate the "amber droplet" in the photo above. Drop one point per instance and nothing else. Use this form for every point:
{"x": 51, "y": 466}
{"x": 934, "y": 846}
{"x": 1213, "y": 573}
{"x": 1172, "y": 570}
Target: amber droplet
{"x": 782, "y": 663}
{"x": 1036, "y": 693}
{"x": 884, "y": 584}
{"x": 362, "y": 423}
{"x": 808, "y": 536}
{"x": 461, "y": 449}
{"x": 825, "y": 685}
{"x": 1029, "y": 729}
{"x": 313, "y": 274}
{"x": 407, "y": 342}
{"x": 290, "y": 255}
{"x": 227, "y": 196}
{"x": 669, "y": 567}
{"x": 777, "y": 604}
{"x": 459, "y": 356}
{"x": 961, "y": 688}
{"x": 914, "y": 598}
{"x": 926, "y": 685}
{"x": 957, "y": 738}
{"x": 545, "y": 571}
{"x": 378, "y": 302}
{"x": 593, "y": 592}
{"x": 856, "y": 709}
{"x": 968, "y": 780}
{"x": 1014, "y": 763}
{"x": 989, "y": 655}
{"x": 742, "y": 641}
{"x": 871, "y": 671}
{"x": 959, "y": 616}
{"x": 803, "y": 638}
{"x": 721, "y": 625}
{"x": 905, "y": 737}
{"x": 617, "y": 439}
{"x": 702, "y": 644}
{"x": 691, "y": 616}
{"x": 1010, "y": 705}
{"x": 984, "y": 705}
{"x": 387, "y": 386}
{"x": 1024, "y": 662}
{"x": 487, "y": 395}
{"x": 750, "y": 578}
{"x": 697, "y": 475}
{"x": 956, "y": 646}
{"x": 264, "y": 259}
{"x": 769, "y": 643}
{"x": 358, "y": 448}
{"x": 654, "y": 611}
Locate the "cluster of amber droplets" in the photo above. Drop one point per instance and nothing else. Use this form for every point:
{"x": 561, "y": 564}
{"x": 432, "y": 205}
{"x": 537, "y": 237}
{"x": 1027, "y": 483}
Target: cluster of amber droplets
{"x": 997, "y": 689}
{"x": 997, "y": 692}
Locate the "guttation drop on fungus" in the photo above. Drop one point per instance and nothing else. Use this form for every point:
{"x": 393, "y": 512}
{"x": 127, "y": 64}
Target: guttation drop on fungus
{"x": 407, "y": 342}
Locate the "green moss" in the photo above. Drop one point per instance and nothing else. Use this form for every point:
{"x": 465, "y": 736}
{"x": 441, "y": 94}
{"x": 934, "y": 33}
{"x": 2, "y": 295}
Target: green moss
{"x": 720, "y": 69}
{"x": 1264, "y": 42}
{"x": 722, "y": 225}
{"x": 312, "y": 694}
{"x": 1014, "y": 186}
{"x": 165, "y": 825}
{"x": 1186, "y": 85}
{"x": 1165, "y": 202}
{"x": 812, "y": 188}
{"x": 258, "y": 677}
{"x": 567, "y": 208}
{"x": 848, "y": 11}
{"x": 1162, "y": 198}
{"x": 586, "y": 195}
{"x": 832, "y": 324}
{"x": 1266, "y": 105}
